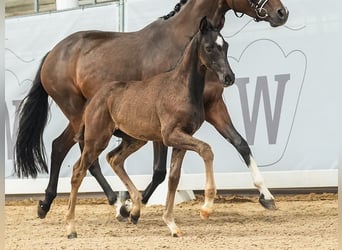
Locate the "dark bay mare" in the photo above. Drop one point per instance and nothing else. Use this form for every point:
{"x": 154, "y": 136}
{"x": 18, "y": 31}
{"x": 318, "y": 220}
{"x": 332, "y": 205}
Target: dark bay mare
{"x": 76, "y": 67}
{"x": 166, "y": 108}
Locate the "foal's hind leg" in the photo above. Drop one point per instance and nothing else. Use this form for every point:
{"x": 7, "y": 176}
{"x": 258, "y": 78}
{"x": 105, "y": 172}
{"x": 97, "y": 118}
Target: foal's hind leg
{"x": 217, "y": 114}
{"x": 116, "y": 159}
{"x": 60, "y": 147}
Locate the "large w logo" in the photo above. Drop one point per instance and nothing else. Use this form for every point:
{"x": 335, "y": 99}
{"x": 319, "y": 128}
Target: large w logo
{"x": 262, "y": 93}
{"x": 264, "y": 103}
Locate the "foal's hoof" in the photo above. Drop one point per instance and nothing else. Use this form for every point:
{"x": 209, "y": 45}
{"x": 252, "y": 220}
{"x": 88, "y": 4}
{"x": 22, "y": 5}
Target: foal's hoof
{"x": 73, "y": 235}
{"x": 268, "y": 204}
{"x": 177, "y": 234}
{"x": 134, "y": 219}
{"x": 42, "y": 210}
{"x": 205, "y": 213}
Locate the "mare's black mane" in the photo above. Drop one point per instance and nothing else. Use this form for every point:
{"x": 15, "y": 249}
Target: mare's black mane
{"x": 175, "y": 10}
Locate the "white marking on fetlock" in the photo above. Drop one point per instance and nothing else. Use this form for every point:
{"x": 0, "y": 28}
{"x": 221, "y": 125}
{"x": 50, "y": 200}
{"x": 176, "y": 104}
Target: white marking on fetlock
{"x": 259, "y": 180}
{"x": 118, "y": 216}
{"x": 175, "y": 231}
{"x": 71, "y": 227}
{"x": 207, "y": 210}
{"x": 128, "y": 204}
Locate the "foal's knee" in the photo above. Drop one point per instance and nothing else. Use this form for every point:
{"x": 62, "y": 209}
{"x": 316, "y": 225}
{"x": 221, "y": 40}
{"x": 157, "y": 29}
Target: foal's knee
{"x": 206, "y": 152}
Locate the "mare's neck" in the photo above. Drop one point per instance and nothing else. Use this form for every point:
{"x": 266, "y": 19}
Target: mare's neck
{"x": 187, "y": 20}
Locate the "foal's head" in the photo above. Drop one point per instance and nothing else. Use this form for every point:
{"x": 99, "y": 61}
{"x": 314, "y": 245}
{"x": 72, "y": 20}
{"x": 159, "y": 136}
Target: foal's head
{"x": 213, "y": 52}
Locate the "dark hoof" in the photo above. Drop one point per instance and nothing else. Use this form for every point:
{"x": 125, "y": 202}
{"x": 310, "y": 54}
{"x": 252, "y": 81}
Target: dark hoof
{"x": 42, "y": 210}
{"x": 134, "y": 219}
{"x": 112, "y": 199}
{"x": 124, "y": 212}
{"x": 73, "y": 235}
{"x": 268, "y": 204}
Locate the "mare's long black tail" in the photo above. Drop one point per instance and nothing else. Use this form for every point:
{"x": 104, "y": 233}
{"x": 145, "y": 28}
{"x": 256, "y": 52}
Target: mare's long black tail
{"x": 29, "y": 150}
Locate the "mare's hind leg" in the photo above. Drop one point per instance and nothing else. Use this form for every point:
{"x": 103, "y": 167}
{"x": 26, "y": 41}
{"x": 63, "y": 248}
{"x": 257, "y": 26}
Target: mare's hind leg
{"x": 217, "y": 114}
{"x": 159, "y": 170}
{"x": 116, "y": 159}
{"x": 95, "y": 171}
{"x": 60, "y": 147}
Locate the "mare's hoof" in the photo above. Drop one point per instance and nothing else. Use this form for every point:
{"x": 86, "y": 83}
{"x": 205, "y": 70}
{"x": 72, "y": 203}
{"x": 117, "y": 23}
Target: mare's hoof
{"x": 268, "y": 204}
{"x": 73, "y": 235}
{"x": 112, "y": 199}
{"x": 134, "y": 219}
{"x": 42, "y": 210}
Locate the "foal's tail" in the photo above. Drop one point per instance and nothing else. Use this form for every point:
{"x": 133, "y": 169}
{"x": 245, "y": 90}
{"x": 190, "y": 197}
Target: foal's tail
{"x": 29, "y": 150}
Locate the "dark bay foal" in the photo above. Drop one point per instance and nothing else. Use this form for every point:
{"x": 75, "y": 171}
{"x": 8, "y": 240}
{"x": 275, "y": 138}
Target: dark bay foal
{"x": 167, "y": 108}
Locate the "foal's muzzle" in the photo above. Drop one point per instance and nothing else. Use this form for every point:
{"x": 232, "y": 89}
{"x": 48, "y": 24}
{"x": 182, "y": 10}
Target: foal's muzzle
{"x": 228, "y": 80}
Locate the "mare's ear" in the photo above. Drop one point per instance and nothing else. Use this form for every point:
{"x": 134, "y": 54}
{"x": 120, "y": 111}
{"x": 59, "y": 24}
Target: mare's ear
{"x": 204, "y": 25}
{"x": 221, "y": 23}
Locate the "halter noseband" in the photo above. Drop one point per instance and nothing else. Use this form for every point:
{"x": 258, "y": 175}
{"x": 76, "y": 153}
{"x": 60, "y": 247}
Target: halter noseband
{"x": 258, "y": 6}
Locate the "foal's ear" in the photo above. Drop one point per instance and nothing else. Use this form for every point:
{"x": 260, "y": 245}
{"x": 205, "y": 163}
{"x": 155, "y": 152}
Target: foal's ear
{"x": 204, "y": 25}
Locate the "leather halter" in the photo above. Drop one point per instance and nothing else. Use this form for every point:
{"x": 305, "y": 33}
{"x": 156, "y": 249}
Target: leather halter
{"x": 258, "y": 6}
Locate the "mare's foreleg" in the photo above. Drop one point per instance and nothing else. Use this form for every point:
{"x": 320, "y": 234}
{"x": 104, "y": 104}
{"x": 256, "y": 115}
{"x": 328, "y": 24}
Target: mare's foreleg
{"x": 217, "y": 114}
{"x": 116, "y": 159}
{"x": 159, "y": 170}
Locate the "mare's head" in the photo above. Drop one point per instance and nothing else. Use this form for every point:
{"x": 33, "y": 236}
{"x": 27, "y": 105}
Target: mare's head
{"x": 213, "y": 52}
{"x": 272, "y": 11}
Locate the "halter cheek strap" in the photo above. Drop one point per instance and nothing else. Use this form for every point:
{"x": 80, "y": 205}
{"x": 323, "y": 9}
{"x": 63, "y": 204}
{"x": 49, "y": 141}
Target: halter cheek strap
{"x": 260, "y": 11}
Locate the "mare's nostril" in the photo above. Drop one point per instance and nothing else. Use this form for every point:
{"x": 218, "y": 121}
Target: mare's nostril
{"x": 282, "y": 13}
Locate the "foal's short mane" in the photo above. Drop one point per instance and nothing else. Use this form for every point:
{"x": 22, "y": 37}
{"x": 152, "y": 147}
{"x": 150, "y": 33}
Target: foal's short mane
{"x": 175, "y": 10}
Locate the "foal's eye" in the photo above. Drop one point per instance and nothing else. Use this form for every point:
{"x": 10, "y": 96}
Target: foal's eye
{"x": 209, "y": 48}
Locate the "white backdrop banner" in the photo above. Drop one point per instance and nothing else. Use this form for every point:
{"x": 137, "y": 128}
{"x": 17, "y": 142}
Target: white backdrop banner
{"x": 286, "y": 100}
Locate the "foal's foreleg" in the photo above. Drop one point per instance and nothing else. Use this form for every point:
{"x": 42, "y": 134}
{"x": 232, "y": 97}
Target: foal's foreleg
{"x": 185, "y": 141}
{"x": 217, "y": 114}
{"x": 116, "y": 160}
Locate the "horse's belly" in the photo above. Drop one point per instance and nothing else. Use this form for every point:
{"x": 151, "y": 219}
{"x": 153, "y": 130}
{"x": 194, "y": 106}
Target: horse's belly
{"x": 142, "y": 132}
